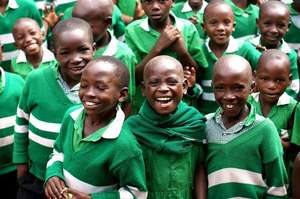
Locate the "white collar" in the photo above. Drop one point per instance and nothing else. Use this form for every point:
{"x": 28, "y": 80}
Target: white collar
{"x": 296, "y": 21}
{"x": 284, "y": 99}
{"x": 114, "y": 129}
{"x": 112, "y": 47}
{"x": 284, "y": 46}
{"x": 2, "y": 77}
{"x": 179, "y": 23}
{"x": 13, "y": 4}
{"x": 47, "y": 56}
{"x": 232, "y": 47}
{"x": 187, "y": 8}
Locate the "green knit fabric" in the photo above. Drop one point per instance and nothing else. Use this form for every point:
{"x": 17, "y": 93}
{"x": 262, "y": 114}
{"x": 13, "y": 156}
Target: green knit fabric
{"x": 173, "y": 133}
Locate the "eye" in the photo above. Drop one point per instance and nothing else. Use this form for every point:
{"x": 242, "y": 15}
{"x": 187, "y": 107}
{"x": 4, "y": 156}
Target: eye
{"x": 238, "y": 87}
{"x": 153, "y": 83}
{"x": 172, "y": 82}
{"x": 219, "y": 88}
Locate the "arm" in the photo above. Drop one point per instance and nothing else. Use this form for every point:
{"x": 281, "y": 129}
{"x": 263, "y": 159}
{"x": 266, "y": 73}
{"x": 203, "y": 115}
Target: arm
{"x": 201, "y": 182}
{"x": 296, "y": 178}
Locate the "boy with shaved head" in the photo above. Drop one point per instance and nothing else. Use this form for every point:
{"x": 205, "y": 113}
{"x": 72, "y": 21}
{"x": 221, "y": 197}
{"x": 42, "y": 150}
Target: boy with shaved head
{"x": 244, "y": 154}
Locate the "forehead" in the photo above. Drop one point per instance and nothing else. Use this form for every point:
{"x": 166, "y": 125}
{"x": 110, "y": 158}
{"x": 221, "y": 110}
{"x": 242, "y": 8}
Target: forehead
{"x": 100, "y": 70}
{"x": 231, "y": 74}
{"x": 26, "y": 24}
{"x": 274, "y": 11}
{"x": 278, "y": 66}
{"x": 219, "y": 9}
{"x": 163, "y": 70}
{"x": 91, "y": 12}
{"x": 73, "y": 37}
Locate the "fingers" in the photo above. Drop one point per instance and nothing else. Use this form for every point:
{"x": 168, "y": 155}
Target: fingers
{"x": 54, "y": 188}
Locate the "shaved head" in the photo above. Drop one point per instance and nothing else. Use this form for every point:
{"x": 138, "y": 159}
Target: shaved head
{"x": 272, "y": 55}
{"x": 280, "y": 7}
{"x": 101, "y": 8}
{"x": 219, "y": 5}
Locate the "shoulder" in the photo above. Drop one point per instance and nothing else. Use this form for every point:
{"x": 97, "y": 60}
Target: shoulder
{"x": 123, "y": 47}
{"x": 26, "y": 4}
{"x": 135, "y": 25}
{"x": 17, "y": 79}
{"x": 39, "y": 74}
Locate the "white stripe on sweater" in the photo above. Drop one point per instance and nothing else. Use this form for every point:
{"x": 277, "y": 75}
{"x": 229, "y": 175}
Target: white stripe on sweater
{"x": 233, "y": 175}
{"x": 6, "y": 140}
{"x": 7, "y": 38}
{"x": 75, "y": 183}
{"x": 40, "y": 140}
{"x": 56, "y": 156}
{"x": 208, "y": 96}
{"x": 277, "y": 191}
{"x": 7, "y": 122}
{"x": 44, "y": 126}
{"x": 21, "y": 128}
{"x": 22, "y": 114}
{"x": 10, "y": 55}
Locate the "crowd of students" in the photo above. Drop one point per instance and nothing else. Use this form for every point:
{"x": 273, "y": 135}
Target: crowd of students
{"x": 155, "y": 99}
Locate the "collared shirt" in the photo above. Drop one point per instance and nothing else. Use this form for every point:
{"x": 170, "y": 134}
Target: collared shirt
{"x": 110, "y": 131}
{"x": 292, "y": 36}
{"x": 2, "y": 80}
{"x": 218, "y": 133}
{"x": 71, "y": 93}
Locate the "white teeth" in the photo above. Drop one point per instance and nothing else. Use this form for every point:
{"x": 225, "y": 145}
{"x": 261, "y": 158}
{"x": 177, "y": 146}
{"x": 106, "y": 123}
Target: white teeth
{"x": 90, "y": 103}
{"x": 163, "y": 98}
{"x": 229, "y": 106}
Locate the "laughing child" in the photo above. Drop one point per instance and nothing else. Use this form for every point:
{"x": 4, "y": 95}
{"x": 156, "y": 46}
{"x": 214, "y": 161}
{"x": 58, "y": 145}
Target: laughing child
{"x": 244, "y": 154}
{"x": 170, "y": 132}
{"x": 97, "y": 127}
{"x": 47, "y": 94}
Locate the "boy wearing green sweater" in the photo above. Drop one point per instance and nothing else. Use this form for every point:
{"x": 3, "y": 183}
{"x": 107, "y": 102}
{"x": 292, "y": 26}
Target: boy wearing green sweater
{"x": 244, "y": 154}
{"x": 11, "y": 86}
{"x": 170, "y": 132}
{"x": 47, "y": 94}
{"x": 95, "y": 155}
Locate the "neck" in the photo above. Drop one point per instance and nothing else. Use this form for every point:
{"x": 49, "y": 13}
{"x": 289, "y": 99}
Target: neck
{"x": 35, "y": 59}
{"x": 70, "y": 82}
{"x": 296, "y": 6}
{"x": 241, "y": 3}
{"x": 270, "y": 46}
{"x": 230, "y": 121}
{"x": 3, "y": 3}
{"x": 103, "y": 41}
{"x": 160, "y": 25}
{"x": 217, "y": 48}
{"x": 265, "y": 106}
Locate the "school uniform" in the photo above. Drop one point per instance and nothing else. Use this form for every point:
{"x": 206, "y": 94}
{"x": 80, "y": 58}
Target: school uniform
{"x": 245, "y": 160}
{"x": 11, "y": 86}
{"x": 293, "y": 89}
{"x": 127, "y": 7}
{"x": 207, "y": 103}
{"x": 118, "y": 172}
{"x": 22, "y": 67}
{"x": 172, "y": 148}
{"x": 43, "y": 103}
{"x": 40, "y": 4}
{"x": 61, "y": 5}
{"x": 245, "y": 20}
{"x": 292, "y": 36}
{"x": 122, "y": 52}
{"x": 15, "y": 10}
{"x": 141, "y": 38}
{"x": 183, "y": 10}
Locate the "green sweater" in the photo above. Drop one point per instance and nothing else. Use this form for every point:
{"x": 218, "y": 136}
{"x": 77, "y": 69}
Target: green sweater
{"x": 116, "y": 173}
{"x": 248, "y": 166}
{"x": 10, "y": 92}
{"x": 39, "y": 114}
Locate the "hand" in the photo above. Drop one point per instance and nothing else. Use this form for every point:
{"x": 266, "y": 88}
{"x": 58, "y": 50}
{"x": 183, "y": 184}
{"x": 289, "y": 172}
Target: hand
{"x": 77, "y": 194}
{"x": 21, "y": 170}
{"x": 55, "y": 188}
{"x": 167, "y": 37}
{"x": 194, "y": 19}
{"x": 50, "y": 17}
{"x": 179, "y": 47}
{"x": 190, "y": 75}
{"x": 285, "y": 144}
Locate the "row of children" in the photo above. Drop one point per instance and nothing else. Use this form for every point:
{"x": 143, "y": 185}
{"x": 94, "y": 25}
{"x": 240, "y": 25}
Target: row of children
{"x": 38, "y": 121}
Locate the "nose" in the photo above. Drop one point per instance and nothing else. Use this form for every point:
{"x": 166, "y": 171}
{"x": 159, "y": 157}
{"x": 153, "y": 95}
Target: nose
{"x": 90, "y": 92}
{"x": 163, "y": 87}
{"x": 27, "y": 38}
{"x": 273, "y": 29}
{"x": 229, "y": 95}
{"x": 272, "y": 85}
{"x": 76, "y": 58}
{"x": 155, "y": 5}
{"x": 220, "y": 27}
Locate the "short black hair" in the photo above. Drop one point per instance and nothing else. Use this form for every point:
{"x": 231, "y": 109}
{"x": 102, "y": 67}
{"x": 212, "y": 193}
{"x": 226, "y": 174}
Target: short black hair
{"x": 271, "y": 5}
{"x": 69, "y": 25}
{"x": 272, "y": 54}
{"x": 121, "y": 70}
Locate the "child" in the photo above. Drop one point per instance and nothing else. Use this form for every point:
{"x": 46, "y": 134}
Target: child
{"x": 296, "y": 178}
{"x": 245, "y": 15}
{"x": 162, "y": 33}
{"x": 193, "y": 11}
{"x": 48, "y": 93}
{"x": 29, "y": 38}
{"x": 11, "y": 86}
{"x": 170, "y": 133}
{"x": 218, "y": 24}
{"x": 273, "y": 23}
{"x": 10, "y": 11}
{"x": 244, "y": 155}
{"x": 97, "y": 127}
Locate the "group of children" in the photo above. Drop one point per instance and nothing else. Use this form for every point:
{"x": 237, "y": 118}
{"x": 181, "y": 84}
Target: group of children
{"x": 192, "y": 104}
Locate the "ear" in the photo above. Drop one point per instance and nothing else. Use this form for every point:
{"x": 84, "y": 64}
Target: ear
{"x": 43, "y": 34}
{"x": 234, "y": 24}
{"x": 108, "y": 21}
{"x": 143, "y": 88}
{"x": 257, "y": 21}
{"x": 94, "y": 48}
{"x": 185, "y": 86}
{"x": 290, "y": 79}
{"x": 123, "y": 94}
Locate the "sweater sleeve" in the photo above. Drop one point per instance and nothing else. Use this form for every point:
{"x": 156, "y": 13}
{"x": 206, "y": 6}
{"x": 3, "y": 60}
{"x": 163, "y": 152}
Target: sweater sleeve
{"x": 20, "y": 151}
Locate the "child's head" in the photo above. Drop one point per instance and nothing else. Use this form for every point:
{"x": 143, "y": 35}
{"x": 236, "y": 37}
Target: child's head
{"x": 73, "y": 47}
{"x": 218, "y": 22}
{"x": 195, "y": 4}
{"x": 98, "y": 13}
{"x": 273, "y": 75}
{"x": 157, "y": 10}
{"x": 164, "y": 84}
{"x": 232, "y": 81}
{"x": 104, "y": 83}
{"x": 28, "y": 36}
{"x": 273, "y": 23}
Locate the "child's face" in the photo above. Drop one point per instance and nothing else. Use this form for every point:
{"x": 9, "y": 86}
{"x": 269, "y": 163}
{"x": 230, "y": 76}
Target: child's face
{"x": 100, "y": 90}
{"x": 163, "y": 87}
{"x": 73, "y": 50}
{"x": 273, "y": 24}
{"x": 195, "y": 4}
{"x": 28, "y": 37}
{"x": 231, "y": 89}
{"x": 219, "y": 24}
{"x": 272, "y": 78}
{"x": 157, "y": 10}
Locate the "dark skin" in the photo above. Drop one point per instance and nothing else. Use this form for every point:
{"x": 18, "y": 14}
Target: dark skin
{"x": 3, "y": 4}
{"x": 296, "y": 178}
{"x": 170, "y": 36}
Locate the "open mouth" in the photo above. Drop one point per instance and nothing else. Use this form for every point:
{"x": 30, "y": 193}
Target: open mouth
{"x": 89, "y": 104}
